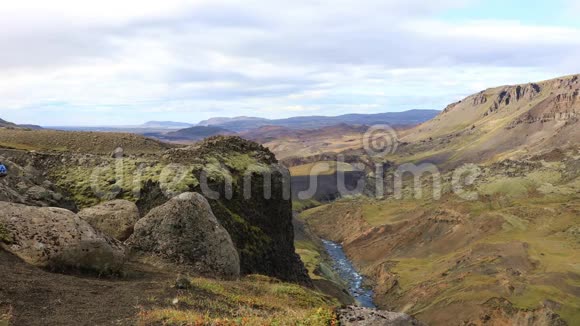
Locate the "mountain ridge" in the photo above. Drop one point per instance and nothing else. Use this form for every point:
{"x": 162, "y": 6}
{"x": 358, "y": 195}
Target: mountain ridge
{"x": 502, "y": 122}
{"x": 409, "y": 117}
{"x": 166, "y": 124}
{"x": 7, "y": 124}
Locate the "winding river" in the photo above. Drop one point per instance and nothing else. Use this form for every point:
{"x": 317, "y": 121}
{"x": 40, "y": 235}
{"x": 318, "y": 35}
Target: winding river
{"x": 345, "y": 269}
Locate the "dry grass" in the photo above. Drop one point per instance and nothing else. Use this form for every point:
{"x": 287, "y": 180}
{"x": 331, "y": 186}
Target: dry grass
{"x": 320, "y": 168}
{"x": 5, "y": 315}
{"x": 254, "y": 300}
{"x": 80, "y": 142}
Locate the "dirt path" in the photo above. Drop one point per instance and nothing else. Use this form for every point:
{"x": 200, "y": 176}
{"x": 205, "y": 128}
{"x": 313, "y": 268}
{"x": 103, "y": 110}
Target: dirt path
{"x": 37, "y": 297}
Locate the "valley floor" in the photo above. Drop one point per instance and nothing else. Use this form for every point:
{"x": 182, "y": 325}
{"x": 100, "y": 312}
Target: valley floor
{"x": 450, "y": 262}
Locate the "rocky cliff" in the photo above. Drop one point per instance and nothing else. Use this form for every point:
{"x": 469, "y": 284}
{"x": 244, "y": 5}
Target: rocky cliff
{"x": 502, "y": 122}
{"x": 260, "y": 226}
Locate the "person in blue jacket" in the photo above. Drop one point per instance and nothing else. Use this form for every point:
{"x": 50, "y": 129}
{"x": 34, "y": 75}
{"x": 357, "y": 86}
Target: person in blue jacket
{"x": 3, "y": 170}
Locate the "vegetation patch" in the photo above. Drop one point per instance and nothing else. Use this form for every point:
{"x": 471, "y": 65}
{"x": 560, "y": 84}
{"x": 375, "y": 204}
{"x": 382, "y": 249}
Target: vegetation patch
{"x": 321, "y": 168}
{"x": 5, "y": 315}
{"x": 302, "y": 205}
{"x": 5, "y": 236}
{"x": 254, "y": 300}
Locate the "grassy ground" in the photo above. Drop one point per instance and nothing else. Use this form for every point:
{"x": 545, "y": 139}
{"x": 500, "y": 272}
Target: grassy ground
{"x": 255, "y": 300}
{"x": 302, "y": 205}
{"x": 80, "y": 142}
{"x": 320, "y": 168}
{"x": 147, "y": 296}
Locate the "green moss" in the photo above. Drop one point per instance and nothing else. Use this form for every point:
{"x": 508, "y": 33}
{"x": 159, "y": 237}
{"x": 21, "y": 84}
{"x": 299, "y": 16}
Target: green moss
{"x": 321, "y": 168}
{"x": 5, "y": 235}
{"x": 309, "y": 253}
{"x": 302, "y": 205}
{"x": 251, "y": 241}
{"x": 302, "y": 296}
{"x": 380, "y": 213}
{"x": 310, "y": 212}
{"x": 122, "y": 179}
{"x": 241, "y": 162}
{"x": 514, "y": 222}
{"x": 513, "y": 187}
{"x": 534, "y": 296}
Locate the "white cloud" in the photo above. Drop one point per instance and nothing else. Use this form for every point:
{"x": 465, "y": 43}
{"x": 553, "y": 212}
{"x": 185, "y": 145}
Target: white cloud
{"x": 192, "y": 60}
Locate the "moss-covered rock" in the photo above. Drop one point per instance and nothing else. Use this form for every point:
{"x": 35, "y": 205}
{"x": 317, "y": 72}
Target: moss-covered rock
{"x": 260, "y": 227}
{"x": 115, "y": 218}
{"x": 5, "y": 237}
{"x": 185, "y": 232}
{"x": 58, "y": 239}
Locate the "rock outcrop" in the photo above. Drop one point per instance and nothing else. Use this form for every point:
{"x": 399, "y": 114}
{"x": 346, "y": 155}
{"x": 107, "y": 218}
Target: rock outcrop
{"x": 185, "y": 232}
{"x": 502, "y": 312}
{"x": 58, "y": 239}
{"x": 115, "y": 218}
{"x": 261, "y": 226}
{"x": 25, "y": 185}
{"x": 357, "y": 316}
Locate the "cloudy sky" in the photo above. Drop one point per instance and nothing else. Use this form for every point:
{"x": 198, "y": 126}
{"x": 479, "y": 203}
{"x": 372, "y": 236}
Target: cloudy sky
{"x": 118, "y": 62}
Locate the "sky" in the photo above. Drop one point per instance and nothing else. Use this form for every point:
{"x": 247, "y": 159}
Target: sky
{"x": 112, "y": 62}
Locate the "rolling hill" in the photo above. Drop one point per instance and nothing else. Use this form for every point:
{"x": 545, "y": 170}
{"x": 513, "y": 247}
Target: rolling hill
{"x": 6, "y": 124}
{"x": 501, "y": 122}
{"x": 165, "y": 125}
{"x": 78, "y": 142}
{"x": 406, "y": 118}
{"x": 221, "y": 120}
{"x": 287, "y": 142}
{"x": 194, "y": 133}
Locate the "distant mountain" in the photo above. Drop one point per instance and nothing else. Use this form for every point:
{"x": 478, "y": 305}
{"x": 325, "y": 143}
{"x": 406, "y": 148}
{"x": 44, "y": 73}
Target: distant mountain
{"x": 165, "y": 125}
{"x": 147, "y": 127}
{"x": 188, "y": 135}
{"x": 196, "y": 133}
{"x": 287, "y": 142}
{"x": 221, "y": 121}
{"x": 406, "y": 118}
{"x": 267, "y": 134}
{"x": 6, "y": 124}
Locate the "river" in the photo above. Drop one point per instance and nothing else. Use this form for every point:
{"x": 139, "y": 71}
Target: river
{"x": 345, "y": 269}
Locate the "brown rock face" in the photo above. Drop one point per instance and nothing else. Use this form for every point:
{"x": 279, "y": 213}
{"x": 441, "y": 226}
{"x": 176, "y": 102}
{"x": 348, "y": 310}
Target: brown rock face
{"x": 503, "y": 312}
{"x": 184, "y": 232}
{"x": 58, "y": 239}
{"x": 357, "y": 316}
{"x": 115, "y": 218}
{"x": 501, "y": 122}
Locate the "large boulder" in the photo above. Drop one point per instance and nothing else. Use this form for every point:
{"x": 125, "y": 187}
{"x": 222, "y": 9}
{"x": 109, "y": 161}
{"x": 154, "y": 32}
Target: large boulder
{"x": 185, "y": 232}
{"x": 358, "y": 316}
{"x": 115, "y": 218}
{"x": 58, "y": 239}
